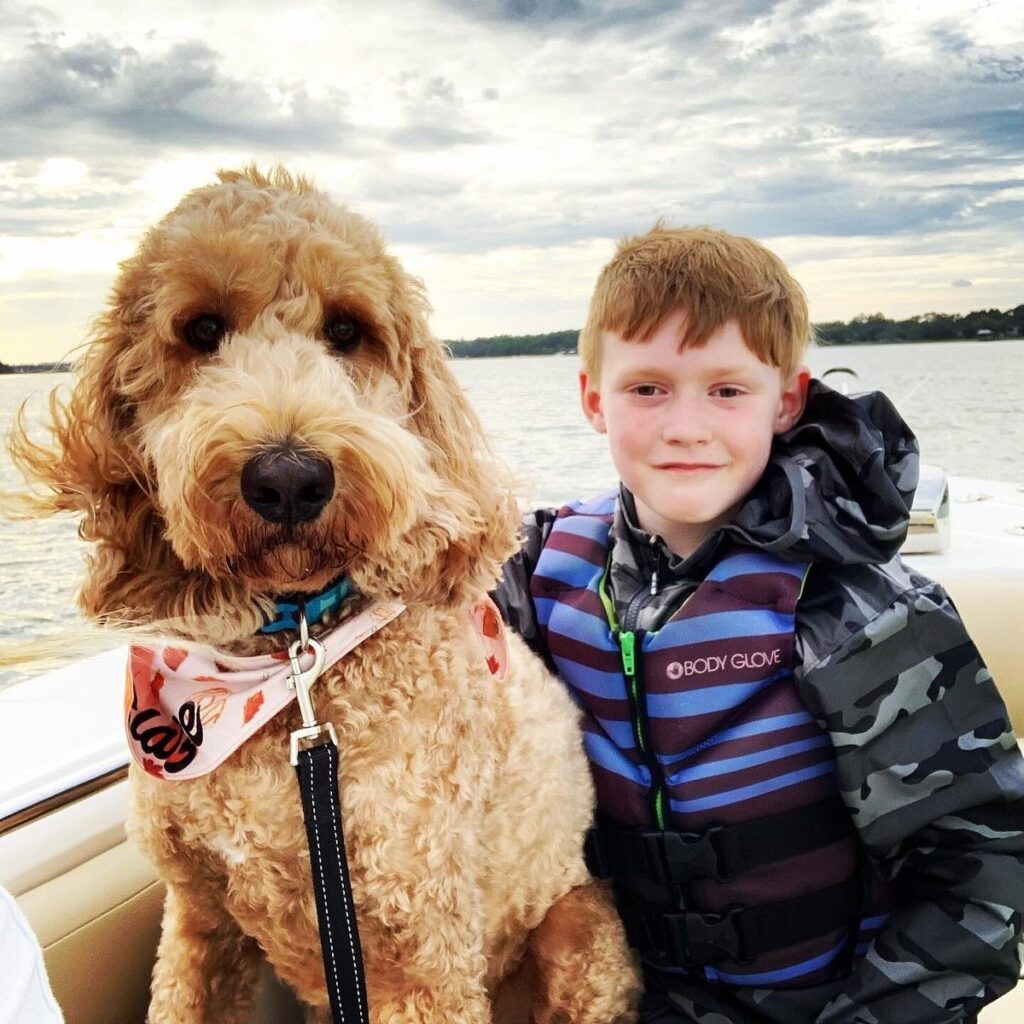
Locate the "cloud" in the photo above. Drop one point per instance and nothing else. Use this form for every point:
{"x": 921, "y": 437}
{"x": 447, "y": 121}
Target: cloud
{"x": 536, "y": 11}
{"x": 480, "y": 129}
{"x": 962, "y": 282}
{"x": 74, "y": 98}
{"x": 701, "y": 19}
{"x": 433, "y": 115}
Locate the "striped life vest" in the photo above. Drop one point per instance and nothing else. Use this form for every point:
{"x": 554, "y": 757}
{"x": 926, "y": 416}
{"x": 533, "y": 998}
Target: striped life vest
{"x": 719, "y": 817}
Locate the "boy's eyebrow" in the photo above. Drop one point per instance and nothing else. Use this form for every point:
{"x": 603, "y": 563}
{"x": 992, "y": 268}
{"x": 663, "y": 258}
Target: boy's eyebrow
{"x": 725, "y": 370}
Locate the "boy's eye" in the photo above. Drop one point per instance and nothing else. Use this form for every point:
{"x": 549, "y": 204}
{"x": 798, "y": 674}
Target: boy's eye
{"x": 646, "y": 390}
{"x": 728, "y": 391}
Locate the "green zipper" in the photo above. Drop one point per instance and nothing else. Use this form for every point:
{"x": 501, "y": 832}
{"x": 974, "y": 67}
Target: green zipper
{"x": 626, "y": 640}
{"x": 627, "y": 644}
{"x": 627, "y": 648}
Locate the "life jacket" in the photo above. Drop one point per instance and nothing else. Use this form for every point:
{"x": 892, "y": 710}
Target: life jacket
{"x": 719, "y": 820}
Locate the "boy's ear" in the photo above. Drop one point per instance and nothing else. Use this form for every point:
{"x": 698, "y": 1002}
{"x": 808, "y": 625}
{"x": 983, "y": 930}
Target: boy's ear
{"x": 792, "y": 400}
{"x": 590, "y": 400}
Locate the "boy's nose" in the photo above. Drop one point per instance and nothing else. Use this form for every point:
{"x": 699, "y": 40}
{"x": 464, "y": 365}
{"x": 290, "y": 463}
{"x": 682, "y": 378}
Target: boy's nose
{"x": 686, "y": 423}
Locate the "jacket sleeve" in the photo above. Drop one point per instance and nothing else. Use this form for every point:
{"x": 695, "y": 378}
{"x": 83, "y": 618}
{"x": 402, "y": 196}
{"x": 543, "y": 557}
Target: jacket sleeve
{"x": 930, "y": 769}
{"x": 512, "y": 594}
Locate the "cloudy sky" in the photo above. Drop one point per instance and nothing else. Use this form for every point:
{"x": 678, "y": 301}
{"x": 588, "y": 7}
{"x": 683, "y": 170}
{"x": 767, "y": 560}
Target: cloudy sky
{"x": 504, "y": 145}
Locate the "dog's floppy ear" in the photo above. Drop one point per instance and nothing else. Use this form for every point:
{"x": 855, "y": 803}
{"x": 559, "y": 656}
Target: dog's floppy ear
{"x": 92, "y": 468}
{"x": 459, "y": 453}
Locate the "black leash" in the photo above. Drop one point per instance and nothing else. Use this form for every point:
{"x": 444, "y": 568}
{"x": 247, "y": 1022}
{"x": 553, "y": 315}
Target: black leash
{"x": 314, "y": 753}
{"x": 335, "y": 910}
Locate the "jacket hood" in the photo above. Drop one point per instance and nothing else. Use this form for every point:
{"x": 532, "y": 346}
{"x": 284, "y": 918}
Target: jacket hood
{"x": 838, "y": 486}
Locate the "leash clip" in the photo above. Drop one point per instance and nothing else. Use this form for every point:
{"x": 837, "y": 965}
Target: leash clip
{"x": 301, "y": 681}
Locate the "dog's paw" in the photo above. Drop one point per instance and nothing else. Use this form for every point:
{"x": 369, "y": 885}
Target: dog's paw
{"x": 586, "y": 971}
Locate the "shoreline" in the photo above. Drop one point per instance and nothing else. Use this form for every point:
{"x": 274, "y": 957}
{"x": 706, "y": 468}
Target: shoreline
{"x": 497, "y": 348}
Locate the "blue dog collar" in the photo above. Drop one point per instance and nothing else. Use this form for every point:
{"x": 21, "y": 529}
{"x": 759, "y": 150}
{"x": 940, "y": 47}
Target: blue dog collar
{"x": 286, "y": 613}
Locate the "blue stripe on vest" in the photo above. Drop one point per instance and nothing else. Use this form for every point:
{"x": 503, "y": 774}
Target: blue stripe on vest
{"x": 591, "y": 680}
{"x": 602, "y": 505}
{"x": 571, "y": 570}
{"x": 605, "y": 754}
{"x": 579, "y": 625}
{"x": 588, "y": 527}
{"x": 875, "y": 922}
{"x": 784, "y": 973}
{"x": 744, "y": 761}
{"x": 735, "y": 796}
{"x": 720, "y": 626}
{"x": 742, "y": 732}
{"x": 620, "y": 733}
{"x": 754, "y": 562}
{"x": 687, "y": 703}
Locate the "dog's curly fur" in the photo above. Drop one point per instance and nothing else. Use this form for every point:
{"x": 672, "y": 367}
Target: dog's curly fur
{"x": 464, "y": 800}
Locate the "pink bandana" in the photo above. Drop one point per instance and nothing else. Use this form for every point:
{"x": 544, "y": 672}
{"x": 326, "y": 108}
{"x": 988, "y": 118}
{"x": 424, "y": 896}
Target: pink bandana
{"x": 186, "y": 711}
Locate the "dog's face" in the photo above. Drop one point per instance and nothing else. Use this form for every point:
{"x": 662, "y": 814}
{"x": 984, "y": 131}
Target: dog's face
{"x": 266, "y": 410}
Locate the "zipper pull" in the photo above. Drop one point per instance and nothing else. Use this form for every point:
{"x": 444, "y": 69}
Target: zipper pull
{"x": 654, "y": 542}
{"x": 627, "y": 644}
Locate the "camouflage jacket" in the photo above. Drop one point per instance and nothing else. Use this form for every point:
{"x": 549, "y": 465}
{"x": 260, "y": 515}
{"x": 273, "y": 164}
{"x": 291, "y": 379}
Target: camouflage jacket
{"x": 926, "y": 759}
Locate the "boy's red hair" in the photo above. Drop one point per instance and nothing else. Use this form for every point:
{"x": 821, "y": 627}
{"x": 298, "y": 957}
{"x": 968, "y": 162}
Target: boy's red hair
{"x": 711, "y": 275}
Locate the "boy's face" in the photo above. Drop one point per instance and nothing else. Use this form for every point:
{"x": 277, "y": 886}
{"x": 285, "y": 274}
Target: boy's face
{"x": 690, "y": 430}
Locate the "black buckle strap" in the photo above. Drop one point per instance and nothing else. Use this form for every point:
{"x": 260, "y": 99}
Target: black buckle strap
{"x": 703, "y": 938}
{"x": 692, "y": 939}
{"x": 672, "y": 858}
{"x": 675, "y": 857}
{"x": 685, "y": 939}
{"x": 666, "y": 857}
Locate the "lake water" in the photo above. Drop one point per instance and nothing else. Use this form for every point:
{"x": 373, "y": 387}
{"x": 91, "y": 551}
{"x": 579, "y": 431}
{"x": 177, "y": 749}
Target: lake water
{"x": 965, "y": 400}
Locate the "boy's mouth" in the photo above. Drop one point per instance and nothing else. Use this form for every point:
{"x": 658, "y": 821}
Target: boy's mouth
{"x": 688, "y": 467}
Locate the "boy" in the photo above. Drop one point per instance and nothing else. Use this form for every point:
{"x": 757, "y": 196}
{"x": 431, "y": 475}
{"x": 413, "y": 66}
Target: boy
{"x": 809, "y": 795}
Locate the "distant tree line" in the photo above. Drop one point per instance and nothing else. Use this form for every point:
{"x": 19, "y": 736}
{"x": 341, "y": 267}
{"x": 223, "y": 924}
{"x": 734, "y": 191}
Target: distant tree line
{"x": 35, "y": 367}
{"x": 555, "y": 343}
{"x": 874, "y": 328}
{"x": 865, "y": 329}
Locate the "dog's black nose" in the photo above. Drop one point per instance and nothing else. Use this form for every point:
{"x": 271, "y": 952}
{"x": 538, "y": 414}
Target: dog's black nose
{"x": 287, "y": 486}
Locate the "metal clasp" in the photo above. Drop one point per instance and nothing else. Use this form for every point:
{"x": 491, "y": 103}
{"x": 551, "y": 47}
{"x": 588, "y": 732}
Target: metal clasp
{"x": 301, "y": 681}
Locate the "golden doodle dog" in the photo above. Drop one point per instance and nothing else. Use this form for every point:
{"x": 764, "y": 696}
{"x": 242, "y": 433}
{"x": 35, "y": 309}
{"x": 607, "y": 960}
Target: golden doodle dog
{"x": 262, "y": 410}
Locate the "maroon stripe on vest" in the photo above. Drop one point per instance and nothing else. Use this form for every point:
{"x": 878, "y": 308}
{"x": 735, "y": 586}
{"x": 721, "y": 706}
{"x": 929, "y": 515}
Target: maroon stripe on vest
{"x": 746, "y": 745}
{"x": 619, "y": 799}
{"x": 763, "y": 590}
{"x": 606, "y": 708}
{"x": 767, "y": 803}
{"x": 584, "y": 654}
{"x": 573, "y": 544}
{"x": 694, "y": 789}
{"x": 673, "y": 735}
{"x": 586, "y": 601}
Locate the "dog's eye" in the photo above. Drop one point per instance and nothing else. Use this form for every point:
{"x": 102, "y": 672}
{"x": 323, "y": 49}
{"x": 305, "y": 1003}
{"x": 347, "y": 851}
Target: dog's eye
{"x": 204, "y": 333}
{"x": 342, "y": 331}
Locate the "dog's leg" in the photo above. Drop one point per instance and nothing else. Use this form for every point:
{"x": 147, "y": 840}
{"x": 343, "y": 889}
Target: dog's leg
{"x": 400, "y": 1000}
{"x": 395, "y": 1000}
{"x": 584, "y": 977}
{"x": 206, "y": 968}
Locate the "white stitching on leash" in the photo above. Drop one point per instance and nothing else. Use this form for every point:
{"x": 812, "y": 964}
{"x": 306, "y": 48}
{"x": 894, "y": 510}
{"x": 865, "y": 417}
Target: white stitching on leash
{"x": 323, "y": 883}
{"x": 336, "y": 814}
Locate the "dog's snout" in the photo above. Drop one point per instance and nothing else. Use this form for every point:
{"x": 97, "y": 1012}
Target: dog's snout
{"x": 287, "y": 486}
